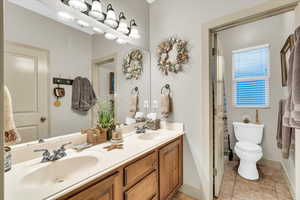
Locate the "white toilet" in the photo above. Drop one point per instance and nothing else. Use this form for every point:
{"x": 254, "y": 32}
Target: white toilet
{"x": 247, "y": 148}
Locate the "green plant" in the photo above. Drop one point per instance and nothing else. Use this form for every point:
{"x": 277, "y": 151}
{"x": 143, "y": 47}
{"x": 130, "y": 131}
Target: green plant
{"x": 105, "y": 115}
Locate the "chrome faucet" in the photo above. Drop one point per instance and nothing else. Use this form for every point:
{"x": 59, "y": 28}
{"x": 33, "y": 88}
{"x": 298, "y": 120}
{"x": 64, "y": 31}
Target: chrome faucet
{"x": 57, "y": 154}
{"x": 140, "y": 130}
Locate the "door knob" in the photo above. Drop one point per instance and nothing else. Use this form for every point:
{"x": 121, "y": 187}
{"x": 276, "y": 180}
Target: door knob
{"x": 43, "y": 119}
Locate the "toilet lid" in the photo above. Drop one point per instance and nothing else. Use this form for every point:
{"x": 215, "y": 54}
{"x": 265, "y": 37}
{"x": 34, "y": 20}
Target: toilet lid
{"x": 247, "y": 146}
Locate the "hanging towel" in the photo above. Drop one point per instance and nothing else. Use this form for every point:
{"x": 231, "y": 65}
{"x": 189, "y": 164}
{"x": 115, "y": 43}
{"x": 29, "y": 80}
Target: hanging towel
{"x": 295, "y": 114}
{"x": 291, "y": 116}
{"x": 83, "y": 95}
{"x": 10, "y": 132}
{"x": 133, "y": 107}
{"x": 285, "y": 135}
{"x": 165, "y": 106}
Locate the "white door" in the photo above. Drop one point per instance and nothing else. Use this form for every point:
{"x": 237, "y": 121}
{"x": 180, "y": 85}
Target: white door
{"x": 26, "y": 72}
{"x": 219, "y": 114}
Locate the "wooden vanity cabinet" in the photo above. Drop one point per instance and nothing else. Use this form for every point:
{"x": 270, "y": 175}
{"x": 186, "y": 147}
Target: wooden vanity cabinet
{"x": 156, "y": 175}
{"x": 170, "y": 169}
{"x": 106, "y": 189}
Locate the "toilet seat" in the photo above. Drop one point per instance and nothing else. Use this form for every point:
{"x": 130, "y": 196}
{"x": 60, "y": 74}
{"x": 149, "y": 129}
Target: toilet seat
{"x": 248, "y": 147}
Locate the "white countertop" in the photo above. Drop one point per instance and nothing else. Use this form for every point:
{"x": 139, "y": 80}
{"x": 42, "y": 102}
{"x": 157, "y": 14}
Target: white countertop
{"x": 17, "y": 188}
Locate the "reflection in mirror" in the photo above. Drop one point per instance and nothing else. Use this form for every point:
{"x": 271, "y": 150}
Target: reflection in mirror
{"x": 49, "y": 66}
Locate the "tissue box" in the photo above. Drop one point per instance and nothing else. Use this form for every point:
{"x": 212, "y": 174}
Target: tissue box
{"x": 153, "y": 124}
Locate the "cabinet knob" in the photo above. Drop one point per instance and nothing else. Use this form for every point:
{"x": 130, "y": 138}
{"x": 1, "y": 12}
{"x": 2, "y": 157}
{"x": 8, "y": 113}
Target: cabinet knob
{"x": 43, "y": 119}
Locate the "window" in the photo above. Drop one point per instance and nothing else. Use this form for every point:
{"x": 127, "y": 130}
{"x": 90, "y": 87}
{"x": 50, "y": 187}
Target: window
{"x": 251, "y": 76}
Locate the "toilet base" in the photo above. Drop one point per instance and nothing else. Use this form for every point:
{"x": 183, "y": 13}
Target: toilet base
{"x": 248, "y": 170}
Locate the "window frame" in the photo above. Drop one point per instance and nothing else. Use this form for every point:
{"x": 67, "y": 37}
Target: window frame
{"x": 266, "y": 78}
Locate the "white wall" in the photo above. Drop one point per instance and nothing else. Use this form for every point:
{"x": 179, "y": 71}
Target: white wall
{"x": 184, "y": 19}
{"x": 250, "y": 35}
{"x": 70, "y": 56}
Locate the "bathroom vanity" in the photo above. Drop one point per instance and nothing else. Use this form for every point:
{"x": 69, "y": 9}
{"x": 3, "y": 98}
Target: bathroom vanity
{"x": 154, "y": 175}
{"x": 149, "y": 167}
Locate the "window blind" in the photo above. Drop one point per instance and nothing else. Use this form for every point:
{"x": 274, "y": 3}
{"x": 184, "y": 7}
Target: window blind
{"x": 251, "y": 77}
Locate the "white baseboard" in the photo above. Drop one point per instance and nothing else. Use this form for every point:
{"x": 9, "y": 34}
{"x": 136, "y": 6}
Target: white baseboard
{"x": 289, "y": 181}
{"x": 192, "y": 191}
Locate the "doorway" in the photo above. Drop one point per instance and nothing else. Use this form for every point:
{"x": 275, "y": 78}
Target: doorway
{"x": 104, "y": 78}
{"x": 219, "y": 103}
{"x": 26, "y": 77}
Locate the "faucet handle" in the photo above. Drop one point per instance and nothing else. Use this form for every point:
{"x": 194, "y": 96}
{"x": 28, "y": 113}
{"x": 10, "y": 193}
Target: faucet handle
{"x": 63, "y": 146}
{"x": 46, "y": 152}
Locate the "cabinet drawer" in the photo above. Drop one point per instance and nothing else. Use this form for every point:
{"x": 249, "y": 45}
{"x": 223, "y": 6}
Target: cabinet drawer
{"x": 146, "y": 189}
{"x": 139, "y": 169}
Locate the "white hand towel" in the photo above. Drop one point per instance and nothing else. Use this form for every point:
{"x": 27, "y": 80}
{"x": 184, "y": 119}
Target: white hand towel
{"x": 165, "y": 106}
{"x": 11, "y": 134}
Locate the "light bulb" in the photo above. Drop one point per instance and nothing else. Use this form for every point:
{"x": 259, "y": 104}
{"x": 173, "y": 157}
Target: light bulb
{"x": 78, "y": 5}
{"x": 123, "y": 28}
{"x": 65, "y": 16}
{"x": 110, "y": 36}
{"x": 98, "y": 30}
{"x": 96, "y": 11}
{"x": 134, "y": 33}
{"x": 111, "y": 18}
{"x": 82, "y": 23}
{"x": 121, "y": 41}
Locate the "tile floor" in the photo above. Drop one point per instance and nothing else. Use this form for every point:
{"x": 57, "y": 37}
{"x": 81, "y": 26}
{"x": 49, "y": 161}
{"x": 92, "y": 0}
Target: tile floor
{"x": 270, "y": 186}
{"x": 182, "y": 196}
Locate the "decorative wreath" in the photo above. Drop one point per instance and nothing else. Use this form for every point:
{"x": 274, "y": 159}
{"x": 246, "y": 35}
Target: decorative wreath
{"x": 133, "y": 65}
{"x": 165, "y": 64}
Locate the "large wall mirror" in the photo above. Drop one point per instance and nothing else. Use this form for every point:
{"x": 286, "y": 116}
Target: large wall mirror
{"x": 44, "y": 58}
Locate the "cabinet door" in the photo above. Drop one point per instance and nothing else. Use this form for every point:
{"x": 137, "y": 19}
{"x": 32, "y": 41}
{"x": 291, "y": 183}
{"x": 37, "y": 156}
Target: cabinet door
{"x": 170, "y": 169}
{"x": 104, "y": 190}
{"x": 146, "y": 189}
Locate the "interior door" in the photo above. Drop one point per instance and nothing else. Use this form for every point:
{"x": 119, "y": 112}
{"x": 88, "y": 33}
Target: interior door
{"x": 26, "y": 72}
{"x": 219, "y": 116}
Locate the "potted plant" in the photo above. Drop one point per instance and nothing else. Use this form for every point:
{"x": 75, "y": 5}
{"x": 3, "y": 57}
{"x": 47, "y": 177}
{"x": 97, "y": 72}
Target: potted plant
{"x": 105, "y": 118}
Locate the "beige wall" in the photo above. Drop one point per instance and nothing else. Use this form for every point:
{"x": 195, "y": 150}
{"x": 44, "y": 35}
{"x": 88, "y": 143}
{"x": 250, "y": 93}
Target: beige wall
{"x": 184, "y": 19}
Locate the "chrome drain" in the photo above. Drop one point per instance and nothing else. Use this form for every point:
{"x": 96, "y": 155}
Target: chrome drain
{"x": 59, "y": 180}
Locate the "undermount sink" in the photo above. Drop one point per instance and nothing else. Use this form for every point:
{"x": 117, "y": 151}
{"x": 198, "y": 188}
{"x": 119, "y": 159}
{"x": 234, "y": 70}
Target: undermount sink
{"x": 148, "y": 136}
{"x": 59, "y": 171}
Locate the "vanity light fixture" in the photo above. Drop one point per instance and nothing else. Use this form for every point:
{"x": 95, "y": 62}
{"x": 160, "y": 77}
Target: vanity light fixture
{"x": 110, "y": 36}
{"x": 123, "y": 28}
{"x": 111, "y": 18}
{"x": 134, "y": 33}
{"x": 96, "y": 10}
{"x": 65, "y": 16}
{"x": 82, "y": 23}
{"x": 98, "y": 30}
{"x": 121, "y": 41}
{"x": 79, "y": 5}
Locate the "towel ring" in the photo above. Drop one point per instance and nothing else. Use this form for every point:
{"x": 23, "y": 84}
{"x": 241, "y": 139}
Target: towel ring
{"x": 167, "y": 87}
{"x": 135, "y": 91}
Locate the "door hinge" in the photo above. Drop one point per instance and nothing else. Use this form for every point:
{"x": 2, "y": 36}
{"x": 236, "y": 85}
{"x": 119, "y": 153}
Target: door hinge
{"x": 215, "y": 172}
{"x": 214, "y": 51}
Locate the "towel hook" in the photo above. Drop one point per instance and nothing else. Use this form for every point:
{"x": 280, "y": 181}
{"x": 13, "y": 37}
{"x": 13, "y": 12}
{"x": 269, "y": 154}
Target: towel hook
{"x": 167, "y": 87}
{"x": 135, "y": 90}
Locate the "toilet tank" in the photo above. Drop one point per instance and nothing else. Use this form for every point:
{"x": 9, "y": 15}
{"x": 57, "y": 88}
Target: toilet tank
{"x": 252, "y": 133}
